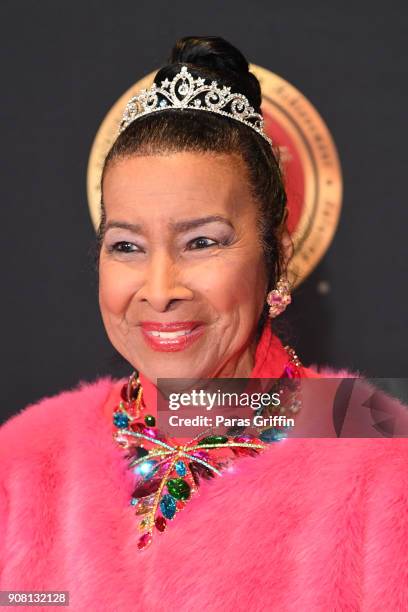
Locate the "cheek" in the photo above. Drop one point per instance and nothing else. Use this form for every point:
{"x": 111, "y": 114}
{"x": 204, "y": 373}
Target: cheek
{"x": 116, "y": 288}
{"x": 233, "y": 283}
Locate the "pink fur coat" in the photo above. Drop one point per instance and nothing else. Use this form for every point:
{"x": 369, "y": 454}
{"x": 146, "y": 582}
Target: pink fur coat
{"x": 310, "y": 524}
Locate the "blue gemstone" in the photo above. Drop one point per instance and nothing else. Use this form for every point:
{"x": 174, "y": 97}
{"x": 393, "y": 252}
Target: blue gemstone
{"x": 168, "y": 506}
{"x": 181, "y": 468}
{"x": 133, "y": 501}
{"x": 146, "y": 468}
{"x": 271, "y": 435}
{"x": 120, "y": 420}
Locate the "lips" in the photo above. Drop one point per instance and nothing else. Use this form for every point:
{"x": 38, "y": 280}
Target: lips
{"x": 171, "y": 336}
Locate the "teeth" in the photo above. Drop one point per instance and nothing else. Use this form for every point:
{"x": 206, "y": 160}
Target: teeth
{"x": 169, "y": 335}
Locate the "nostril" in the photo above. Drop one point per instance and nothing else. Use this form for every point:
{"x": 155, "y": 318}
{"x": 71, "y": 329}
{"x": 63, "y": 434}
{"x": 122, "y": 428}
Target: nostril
{"x": 172, "y": 304}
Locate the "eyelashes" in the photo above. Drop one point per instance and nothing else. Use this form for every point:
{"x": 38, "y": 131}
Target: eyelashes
{"x": 203, "y": 242}
{"x": 197, "y": 244}
{"x": 122, "y": 247}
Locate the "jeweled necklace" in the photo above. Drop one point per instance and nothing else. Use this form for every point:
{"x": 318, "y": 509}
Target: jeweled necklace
{"x": 167, "y": 475}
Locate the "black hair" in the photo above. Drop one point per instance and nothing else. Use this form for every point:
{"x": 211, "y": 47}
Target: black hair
{"x": 169, "y": 130}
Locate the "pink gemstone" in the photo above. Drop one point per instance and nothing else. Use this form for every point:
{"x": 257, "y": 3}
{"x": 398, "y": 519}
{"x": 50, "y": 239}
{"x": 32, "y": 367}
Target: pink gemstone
{"x": 201, "y": 455}
{"x": 276, "y": 298}
{"x": 144, "y": 541}
{"x": 162, "y": 469}
{"x": 147, "y": 431}
{"x": 291, "y": 371}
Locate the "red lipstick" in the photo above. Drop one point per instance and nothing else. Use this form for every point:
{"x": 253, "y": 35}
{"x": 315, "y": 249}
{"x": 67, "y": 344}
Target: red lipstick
{"x": 171, "y": 336}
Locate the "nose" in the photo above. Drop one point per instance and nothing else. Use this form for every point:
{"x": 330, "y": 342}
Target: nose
{"x": 162, "y": 287}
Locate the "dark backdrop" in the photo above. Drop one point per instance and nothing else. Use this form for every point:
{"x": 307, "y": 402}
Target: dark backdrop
{"x": 65, "y": 63}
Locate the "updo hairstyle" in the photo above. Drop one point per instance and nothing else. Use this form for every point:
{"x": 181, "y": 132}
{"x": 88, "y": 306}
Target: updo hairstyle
{"x": 170, "y": 131}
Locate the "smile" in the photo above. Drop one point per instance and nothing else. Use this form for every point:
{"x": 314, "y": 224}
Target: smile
{"x": 162, "y": 334}
{"x": 175, "y": 336}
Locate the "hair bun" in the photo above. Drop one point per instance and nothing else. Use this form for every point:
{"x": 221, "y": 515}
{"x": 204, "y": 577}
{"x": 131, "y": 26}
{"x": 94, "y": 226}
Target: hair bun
{"x": 210, "y": 52}
{"x": 215, "y": 58}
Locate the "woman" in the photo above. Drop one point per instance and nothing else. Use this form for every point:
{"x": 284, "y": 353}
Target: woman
{"x": 192, "y": 269}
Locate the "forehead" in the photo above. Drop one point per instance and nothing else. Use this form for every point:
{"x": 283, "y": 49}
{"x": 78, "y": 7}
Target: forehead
{"x": 176, "y": 184}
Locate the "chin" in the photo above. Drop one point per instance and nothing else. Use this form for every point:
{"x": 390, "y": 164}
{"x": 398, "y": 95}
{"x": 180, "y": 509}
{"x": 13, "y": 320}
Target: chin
{"x": 176, "y": 369}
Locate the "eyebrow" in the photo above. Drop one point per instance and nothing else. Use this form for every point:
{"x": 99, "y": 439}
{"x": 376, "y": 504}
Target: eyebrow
{"x": 178, "y": 226}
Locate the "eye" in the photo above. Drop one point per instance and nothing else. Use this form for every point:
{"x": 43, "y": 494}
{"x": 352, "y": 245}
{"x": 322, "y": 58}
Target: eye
{"x": 123, "y": 247}
{"x": 201, "y": 243}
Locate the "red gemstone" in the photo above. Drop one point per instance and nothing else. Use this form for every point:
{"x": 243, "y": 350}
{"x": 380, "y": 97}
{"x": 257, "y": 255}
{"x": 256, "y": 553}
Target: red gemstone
{"x": 244, "y": 451}
{"x": 144, "y": 541}
{"x": 200, "y": 471}
{"x": 180, "y": 504}
{"x": 123, "y": 393}
{"x": 146, "y": 487}
{"x": 160, "y": 523}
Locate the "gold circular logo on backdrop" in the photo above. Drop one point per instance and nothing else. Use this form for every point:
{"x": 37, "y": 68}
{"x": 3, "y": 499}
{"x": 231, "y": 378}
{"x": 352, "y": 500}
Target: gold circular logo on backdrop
{"x": 308, "y": 155}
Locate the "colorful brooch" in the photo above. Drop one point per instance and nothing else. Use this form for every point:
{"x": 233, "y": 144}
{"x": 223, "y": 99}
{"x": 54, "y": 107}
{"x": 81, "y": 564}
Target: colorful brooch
{"x": 167, "y": 474}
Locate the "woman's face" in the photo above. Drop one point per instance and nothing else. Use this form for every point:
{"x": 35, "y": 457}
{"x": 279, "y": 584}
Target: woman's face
{"x": 182, "y": 273}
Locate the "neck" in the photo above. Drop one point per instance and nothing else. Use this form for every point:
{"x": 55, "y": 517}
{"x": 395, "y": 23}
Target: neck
{"x": 239, "y": 366}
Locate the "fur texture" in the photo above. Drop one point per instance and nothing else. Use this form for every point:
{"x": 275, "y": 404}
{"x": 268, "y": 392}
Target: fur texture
{"x": 311, "y": 524}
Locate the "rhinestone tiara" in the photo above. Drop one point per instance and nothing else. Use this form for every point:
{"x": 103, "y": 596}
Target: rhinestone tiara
{"x": 184, "y": 91}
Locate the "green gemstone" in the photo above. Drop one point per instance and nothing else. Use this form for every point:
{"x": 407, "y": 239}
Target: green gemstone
{"x": 150, "y": 420}
{"x": 214, "y": 440}
{"x": 178, "y": 488}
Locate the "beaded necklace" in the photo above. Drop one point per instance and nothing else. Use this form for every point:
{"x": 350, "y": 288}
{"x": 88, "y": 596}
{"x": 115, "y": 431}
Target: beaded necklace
{"x": 168, "y": 475}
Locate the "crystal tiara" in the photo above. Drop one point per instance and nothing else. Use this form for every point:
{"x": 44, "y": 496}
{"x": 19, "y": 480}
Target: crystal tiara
{"x": 184, "y": 91}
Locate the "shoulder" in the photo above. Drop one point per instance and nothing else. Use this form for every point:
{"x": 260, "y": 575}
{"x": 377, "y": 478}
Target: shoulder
{"x": 40, "y": 425}
{"x": 309, "y": 473}
{"x": 40, "y": 449}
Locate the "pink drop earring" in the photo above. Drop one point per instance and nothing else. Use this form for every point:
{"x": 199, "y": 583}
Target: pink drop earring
{"x": 279, "y": 297}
